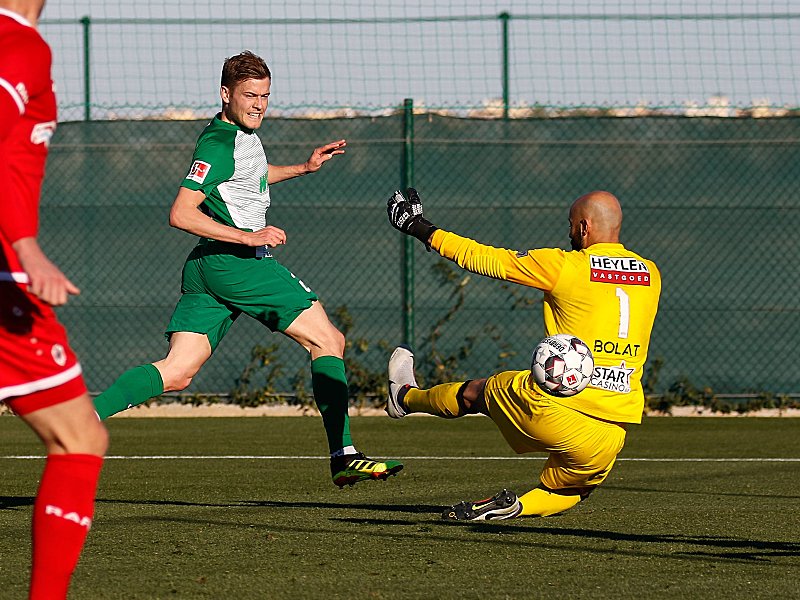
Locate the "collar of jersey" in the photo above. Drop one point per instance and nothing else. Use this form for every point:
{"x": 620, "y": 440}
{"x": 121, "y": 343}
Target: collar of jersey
{"x": 17, "y": 17}
{"x": 220, "y": 123}
{"x": 603, "y": 245}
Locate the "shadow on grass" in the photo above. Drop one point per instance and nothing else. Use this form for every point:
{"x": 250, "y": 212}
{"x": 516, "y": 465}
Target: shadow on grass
{"x": 389, "y": 508}
{"x": 742, "y": 549}
{"x": 623, "y": 488}
{"x": 522, "y": 532}
{"x": 12, "y": 502}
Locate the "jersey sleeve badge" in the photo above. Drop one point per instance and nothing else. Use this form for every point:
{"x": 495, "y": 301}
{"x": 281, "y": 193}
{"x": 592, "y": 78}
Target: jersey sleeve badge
{"x": 199, "y": 171}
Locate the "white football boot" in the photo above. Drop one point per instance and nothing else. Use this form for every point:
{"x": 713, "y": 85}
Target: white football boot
{"x": 401, "y": 378}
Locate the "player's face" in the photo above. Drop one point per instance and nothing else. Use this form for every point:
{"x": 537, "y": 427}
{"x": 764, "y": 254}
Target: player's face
{"x": 246, "y": 103}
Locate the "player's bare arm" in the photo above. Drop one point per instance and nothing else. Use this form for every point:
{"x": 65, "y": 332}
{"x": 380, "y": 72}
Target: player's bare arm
{"x": 46, "y": 281}
{"x": 319, "y": 157}
{"x": 185, "y": 215}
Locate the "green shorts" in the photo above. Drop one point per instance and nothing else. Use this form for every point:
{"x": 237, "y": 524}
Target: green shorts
{"x": 221, "y": 281}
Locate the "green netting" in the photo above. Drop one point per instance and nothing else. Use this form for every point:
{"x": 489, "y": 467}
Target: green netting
{"x": 156, "y": 59}
{"x": 713, "y": 201}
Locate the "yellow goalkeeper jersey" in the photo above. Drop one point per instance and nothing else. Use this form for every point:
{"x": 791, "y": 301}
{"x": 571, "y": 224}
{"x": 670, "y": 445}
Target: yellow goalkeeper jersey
{"x": 605, "y": 294}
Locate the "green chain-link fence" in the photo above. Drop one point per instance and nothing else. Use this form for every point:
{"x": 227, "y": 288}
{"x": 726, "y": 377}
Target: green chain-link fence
{"x": 712, "y": 200}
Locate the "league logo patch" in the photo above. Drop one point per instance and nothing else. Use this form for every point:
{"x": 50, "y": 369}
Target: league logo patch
{"x": 199, "y": 171}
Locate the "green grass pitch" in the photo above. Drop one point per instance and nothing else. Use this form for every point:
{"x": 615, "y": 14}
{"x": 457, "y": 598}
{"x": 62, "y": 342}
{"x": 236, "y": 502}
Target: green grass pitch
{"x": 723, "y": 525}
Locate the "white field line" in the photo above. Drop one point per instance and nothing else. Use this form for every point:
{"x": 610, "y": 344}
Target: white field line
{"x": 459, "y": 458}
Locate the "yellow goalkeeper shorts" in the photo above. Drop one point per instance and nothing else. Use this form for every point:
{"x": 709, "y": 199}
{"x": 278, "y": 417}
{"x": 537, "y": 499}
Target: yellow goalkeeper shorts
{"x": 582, "y": 449}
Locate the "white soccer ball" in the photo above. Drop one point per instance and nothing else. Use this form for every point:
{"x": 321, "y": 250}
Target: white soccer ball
{"x": 562, "y": 365}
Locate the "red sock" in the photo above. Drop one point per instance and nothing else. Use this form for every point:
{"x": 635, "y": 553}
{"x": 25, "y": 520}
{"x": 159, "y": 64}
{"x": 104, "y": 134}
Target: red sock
{"x": 62, "y": 516}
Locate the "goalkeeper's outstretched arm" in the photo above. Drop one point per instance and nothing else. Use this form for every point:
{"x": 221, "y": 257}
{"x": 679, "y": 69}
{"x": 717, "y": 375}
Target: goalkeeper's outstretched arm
{"x": 405, "y": 215}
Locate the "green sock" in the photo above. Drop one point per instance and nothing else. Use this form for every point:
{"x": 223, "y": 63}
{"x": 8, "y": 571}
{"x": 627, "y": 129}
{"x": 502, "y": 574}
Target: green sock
{"x": 133, "y": 387}
{"x": 330, "y": 393}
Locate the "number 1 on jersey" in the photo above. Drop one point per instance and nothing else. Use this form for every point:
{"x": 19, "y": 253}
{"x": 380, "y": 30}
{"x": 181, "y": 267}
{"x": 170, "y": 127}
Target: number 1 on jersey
{"x": 624, "y": 313}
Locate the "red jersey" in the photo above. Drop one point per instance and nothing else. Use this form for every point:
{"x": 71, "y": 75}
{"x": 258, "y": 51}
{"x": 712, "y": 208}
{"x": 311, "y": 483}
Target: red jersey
{"x": 37, "y": 366}
{"x": 27, "y": 122}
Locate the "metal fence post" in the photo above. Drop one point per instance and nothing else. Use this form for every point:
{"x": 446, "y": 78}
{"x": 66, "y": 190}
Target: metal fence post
{"x": 504, "y": 19}
{"x": 86, "y": 22}
{"x": 407, "y": 180}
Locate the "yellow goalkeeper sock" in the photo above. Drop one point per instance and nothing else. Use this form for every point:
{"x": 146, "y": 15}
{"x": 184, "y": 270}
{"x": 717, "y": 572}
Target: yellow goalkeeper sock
{"x": 541, "y": 503}
{"x": 440, "y": 400}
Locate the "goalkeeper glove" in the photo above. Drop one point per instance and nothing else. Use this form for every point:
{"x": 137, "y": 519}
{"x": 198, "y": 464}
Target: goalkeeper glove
{"x": 405, "y": 214}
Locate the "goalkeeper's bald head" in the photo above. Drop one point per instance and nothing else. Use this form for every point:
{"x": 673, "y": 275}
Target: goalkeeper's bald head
{"x": 594, "y": 218}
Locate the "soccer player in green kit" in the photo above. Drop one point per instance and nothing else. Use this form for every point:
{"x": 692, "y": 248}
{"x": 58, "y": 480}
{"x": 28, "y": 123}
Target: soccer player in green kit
{"x": 223, "y": 200}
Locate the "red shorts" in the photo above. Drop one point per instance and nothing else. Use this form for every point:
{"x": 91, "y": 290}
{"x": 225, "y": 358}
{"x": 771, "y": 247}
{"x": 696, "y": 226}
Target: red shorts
{"x": 37, "y": 367}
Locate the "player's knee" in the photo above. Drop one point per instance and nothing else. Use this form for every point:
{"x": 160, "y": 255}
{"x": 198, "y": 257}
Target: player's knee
{"x": 470, "y": 396}
{"x": 582, "y": 492}
{"x": 176, "y": 384}
{"x": 176, "y": 380}
{"x": 93, "y": 439}
{"x": 338, "y": 341}
{"x": 90, "y": 438}
{"x": 331, "y": 341}
{"x": 97, "y": 440}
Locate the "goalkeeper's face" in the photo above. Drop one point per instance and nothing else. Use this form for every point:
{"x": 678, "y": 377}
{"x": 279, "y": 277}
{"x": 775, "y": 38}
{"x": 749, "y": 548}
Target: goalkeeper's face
{"x": 245, "y": 103}
{"x": 575, "y": 234}
{"x": 577, "y": 229}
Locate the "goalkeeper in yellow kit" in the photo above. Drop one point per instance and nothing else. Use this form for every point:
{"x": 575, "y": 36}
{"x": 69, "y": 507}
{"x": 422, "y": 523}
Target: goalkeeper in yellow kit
{"x": 600, "y": 292}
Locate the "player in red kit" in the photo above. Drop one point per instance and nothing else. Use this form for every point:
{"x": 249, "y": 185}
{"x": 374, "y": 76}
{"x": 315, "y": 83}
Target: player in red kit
{"x": 40, "y": 377}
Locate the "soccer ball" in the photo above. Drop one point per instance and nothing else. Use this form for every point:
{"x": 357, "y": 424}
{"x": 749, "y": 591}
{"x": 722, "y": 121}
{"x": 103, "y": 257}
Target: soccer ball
{"x": 562, "y": 365}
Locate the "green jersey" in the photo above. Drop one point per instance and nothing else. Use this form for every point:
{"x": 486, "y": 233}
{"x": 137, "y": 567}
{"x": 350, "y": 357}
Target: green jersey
{"x": 222, "y": 280}
{"x": 230, "y": 167}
